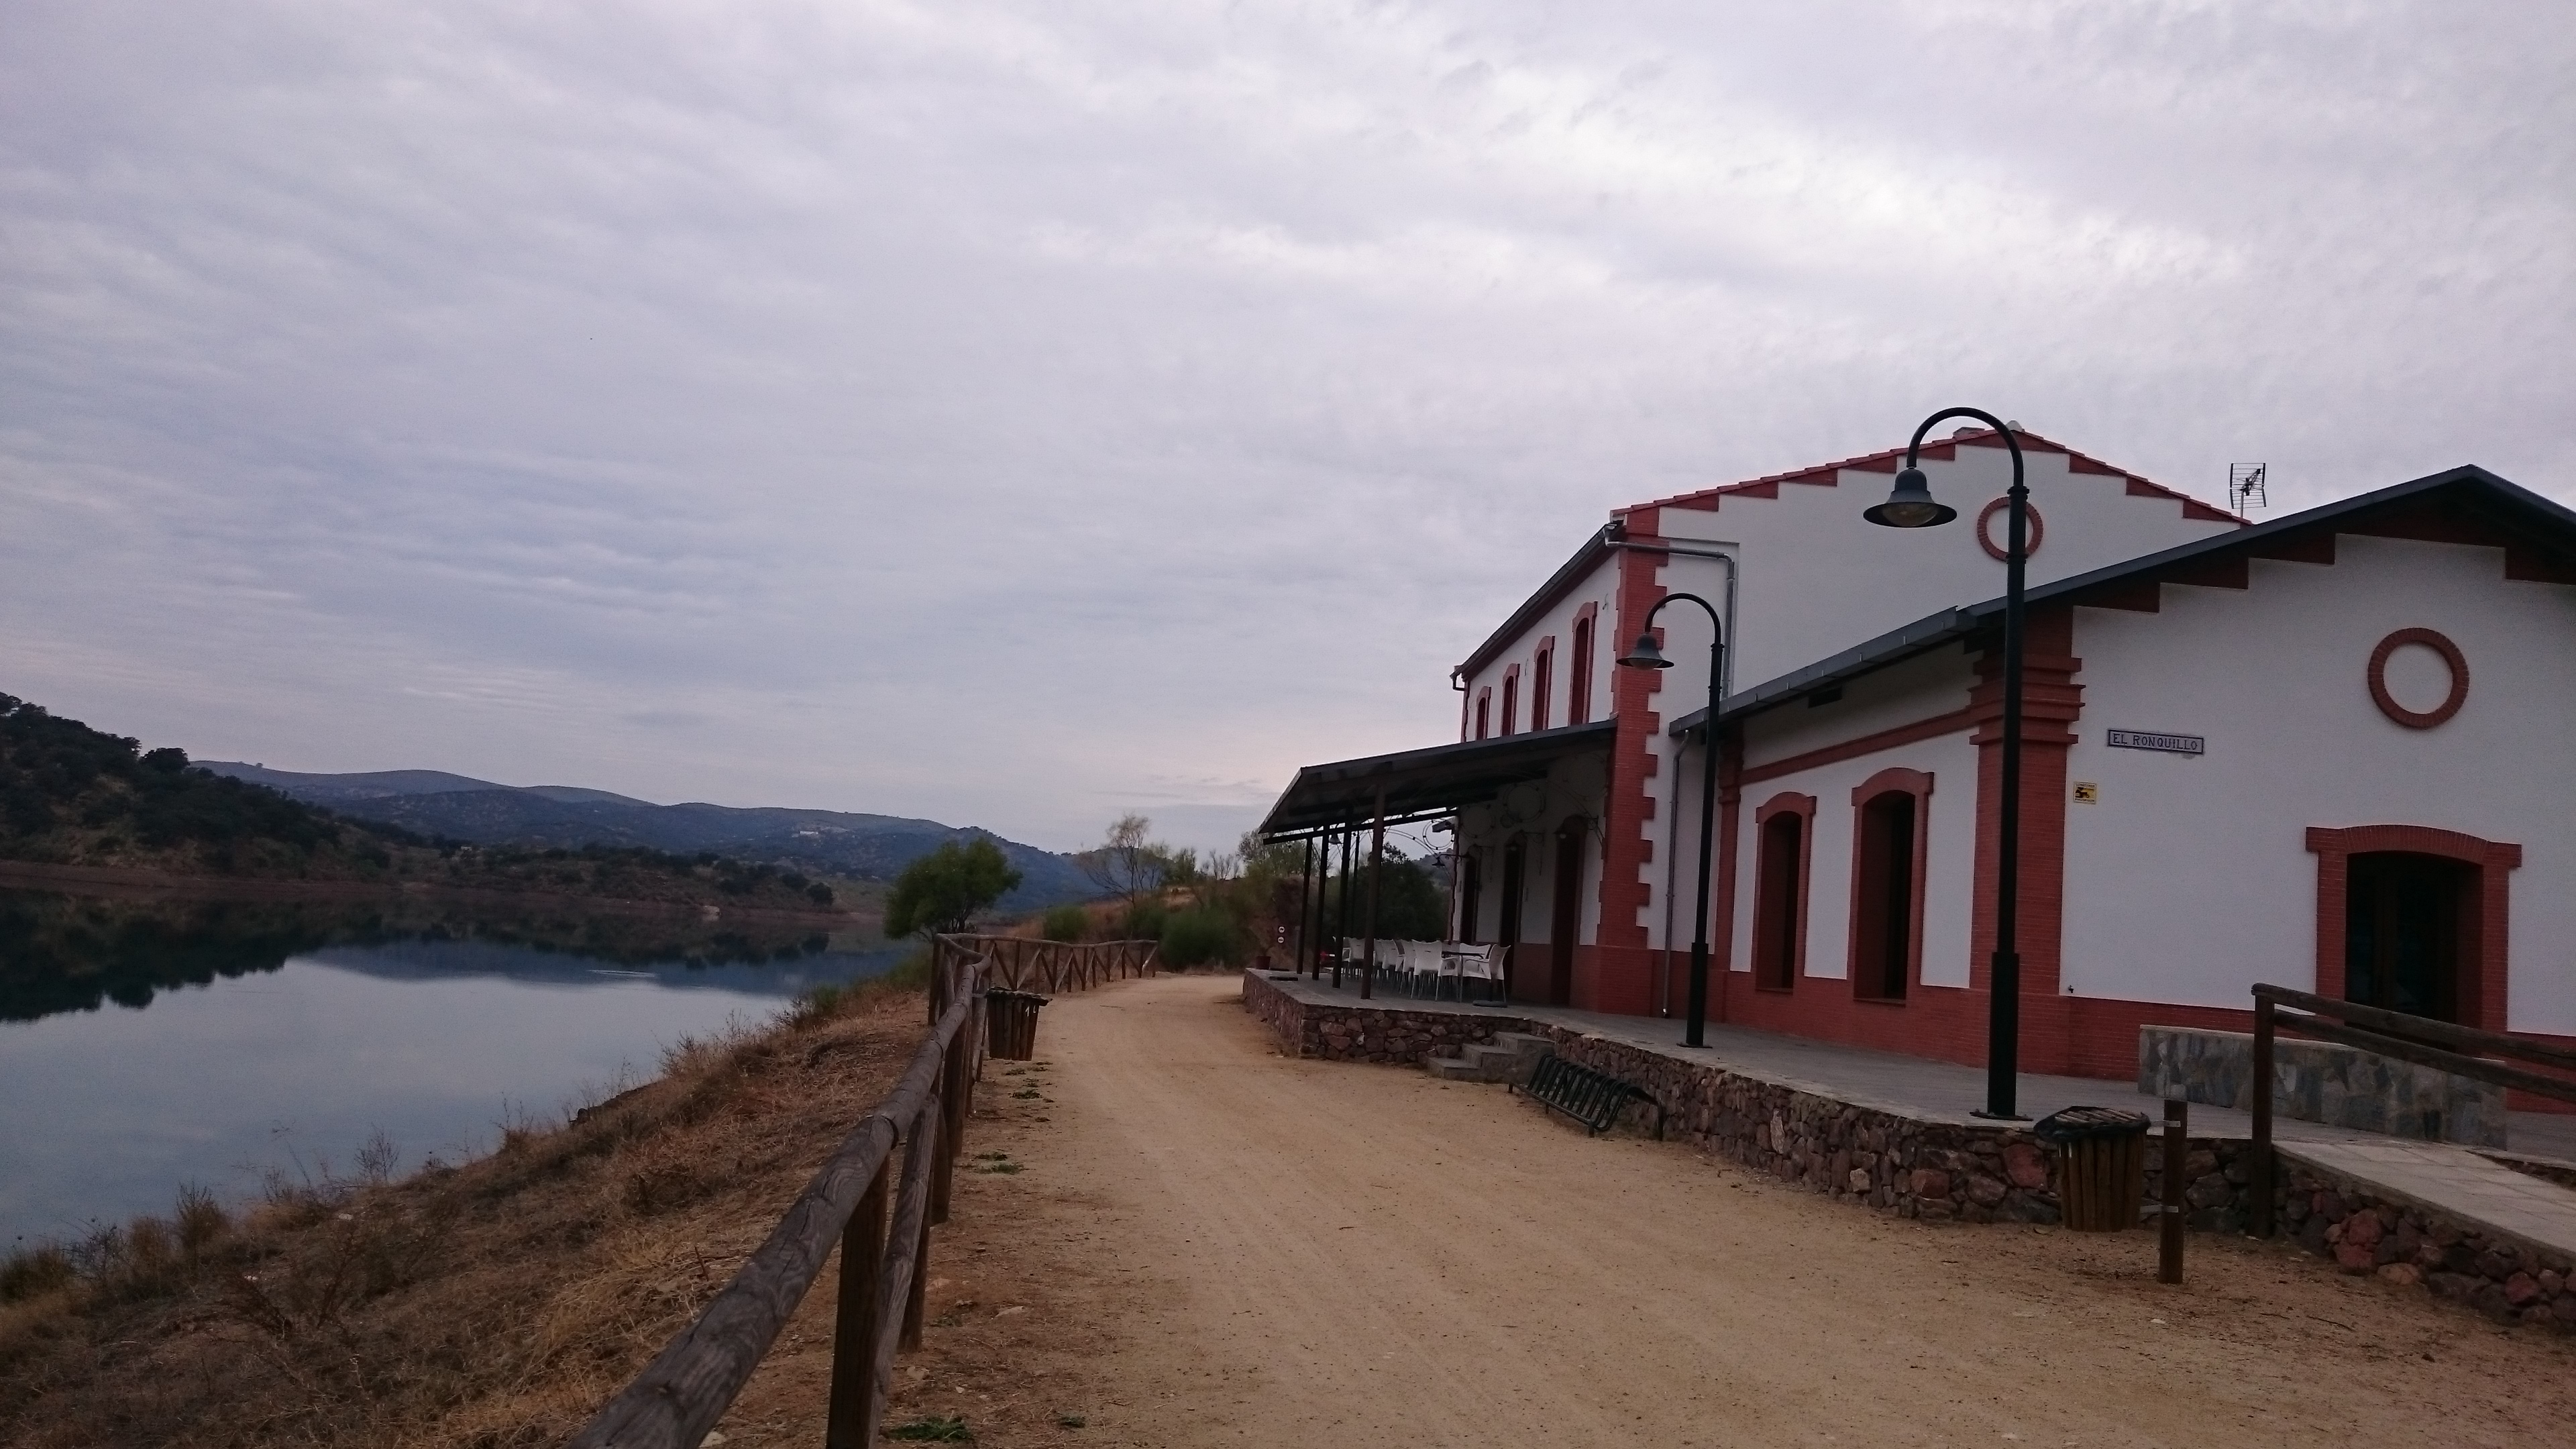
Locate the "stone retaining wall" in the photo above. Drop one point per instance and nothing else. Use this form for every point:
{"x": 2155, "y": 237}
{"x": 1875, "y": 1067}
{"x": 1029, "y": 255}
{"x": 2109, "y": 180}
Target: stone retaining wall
{"x": 2333, "y": 1217}
{"x": 1938, "y": 1171}
{"x": 1385, "y": 1034}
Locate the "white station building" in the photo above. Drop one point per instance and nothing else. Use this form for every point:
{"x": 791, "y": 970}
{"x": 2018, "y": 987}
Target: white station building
{"x": 2334, "y": 751}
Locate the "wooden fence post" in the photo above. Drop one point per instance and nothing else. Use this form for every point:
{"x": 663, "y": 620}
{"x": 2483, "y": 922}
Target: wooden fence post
{"x": 2169, "y": 1216}
{"x": 918, "y": 1293}
{"x": 853, "y": 1409}
{"x": 2258, "y": 1173}
{"x": 954, "y": 1091}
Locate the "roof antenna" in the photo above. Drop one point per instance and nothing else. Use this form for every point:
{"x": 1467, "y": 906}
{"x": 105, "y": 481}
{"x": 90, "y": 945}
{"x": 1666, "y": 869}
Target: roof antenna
{"x": 2245, "y": 486}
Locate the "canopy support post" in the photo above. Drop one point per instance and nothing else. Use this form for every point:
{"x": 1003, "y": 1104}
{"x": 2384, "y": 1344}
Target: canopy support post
{"x": 1377, "y": 868}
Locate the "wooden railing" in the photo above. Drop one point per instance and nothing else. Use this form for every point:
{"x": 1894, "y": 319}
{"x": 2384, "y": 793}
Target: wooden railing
{"x": 2390, "y": 1034}
{"x": 1022, "y": 963}
{"x": 884, "y": 1264}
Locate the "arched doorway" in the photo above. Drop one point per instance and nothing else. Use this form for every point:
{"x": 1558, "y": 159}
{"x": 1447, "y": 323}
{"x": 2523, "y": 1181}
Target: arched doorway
{"x": 1507, "y": 926}
{"x": 2403, "y": 918}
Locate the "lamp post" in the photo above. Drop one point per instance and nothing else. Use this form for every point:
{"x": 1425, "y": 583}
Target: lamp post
{"x": 1911, "y": 505}
{"x": 1644, "y": 655}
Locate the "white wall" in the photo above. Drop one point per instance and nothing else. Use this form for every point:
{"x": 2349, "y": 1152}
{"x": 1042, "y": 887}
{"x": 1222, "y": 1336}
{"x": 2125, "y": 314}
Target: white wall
{"x": 2190, "y": 879}
{"x": 1818, "y": 578}
{"x": 1534, "y": 810}
{"x": 1911, "y": 692}
{"x": 1600, "y": 588}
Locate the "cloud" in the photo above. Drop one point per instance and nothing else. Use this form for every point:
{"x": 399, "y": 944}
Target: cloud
{"x": 1015, "y": 413}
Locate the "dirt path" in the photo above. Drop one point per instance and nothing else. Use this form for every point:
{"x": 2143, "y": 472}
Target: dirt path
{"x": 1211, "y": 1244}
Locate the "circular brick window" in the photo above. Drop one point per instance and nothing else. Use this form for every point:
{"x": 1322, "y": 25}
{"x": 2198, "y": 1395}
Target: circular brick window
{"x": 1993, "y": 541}
{"x": 2418, "y": 678}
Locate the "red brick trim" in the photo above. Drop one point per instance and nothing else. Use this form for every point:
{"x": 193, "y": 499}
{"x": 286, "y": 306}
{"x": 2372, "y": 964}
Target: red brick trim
{"x": 1587, "y": 645}
{"x": 1619, "y": 975}
{"x": 1870, "y": 744}
{"x": 1894, "y": 780}
{"x": 1765, "y": 943}
{"x": 2440, "y": 644}
{"x": 2483, "y": 979}
{"x": 2051, "y": 703}
{"x": 1997, "y": 551}
{"x": 1828, "y": 475}
{"x": 1542, "y": 681}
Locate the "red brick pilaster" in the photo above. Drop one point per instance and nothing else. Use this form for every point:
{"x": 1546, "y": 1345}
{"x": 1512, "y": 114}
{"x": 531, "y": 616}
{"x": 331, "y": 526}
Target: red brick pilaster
{"x": 2051, "y": 703}
{"x": 1618, "y": 974}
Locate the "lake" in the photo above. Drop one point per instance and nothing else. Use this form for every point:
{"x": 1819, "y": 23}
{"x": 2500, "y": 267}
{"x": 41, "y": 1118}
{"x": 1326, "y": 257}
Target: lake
{"x": 144, "y": 1045}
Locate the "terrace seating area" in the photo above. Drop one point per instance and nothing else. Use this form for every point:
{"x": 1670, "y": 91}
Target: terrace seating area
{"x": 1441, "y": 970}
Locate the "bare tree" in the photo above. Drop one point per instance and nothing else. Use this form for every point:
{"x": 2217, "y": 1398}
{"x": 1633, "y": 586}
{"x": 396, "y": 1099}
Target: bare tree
{"x": 1127, "y": 863}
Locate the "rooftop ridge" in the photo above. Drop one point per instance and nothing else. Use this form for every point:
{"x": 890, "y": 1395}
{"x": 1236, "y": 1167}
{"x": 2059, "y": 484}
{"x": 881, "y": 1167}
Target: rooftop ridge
{"x": 1945, "y": 450}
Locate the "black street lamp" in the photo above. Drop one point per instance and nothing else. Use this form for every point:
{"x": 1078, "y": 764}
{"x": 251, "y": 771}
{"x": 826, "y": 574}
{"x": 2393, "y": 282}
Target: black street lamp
{"x": 1911, "y": 506}
{"x": 1644, "y": 655}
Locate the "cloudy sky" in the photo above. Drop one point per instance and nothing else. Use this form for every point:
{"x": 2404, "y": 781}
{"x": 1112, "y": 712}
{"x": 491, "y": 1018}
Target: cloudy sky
{"x": 1017, "y": 413}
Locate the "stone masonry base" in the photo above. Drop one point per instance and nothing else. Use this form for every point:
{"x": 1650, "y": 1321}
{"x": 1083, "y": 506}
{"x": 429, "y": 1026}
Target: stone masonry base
{"x": 1944, "y": 1171}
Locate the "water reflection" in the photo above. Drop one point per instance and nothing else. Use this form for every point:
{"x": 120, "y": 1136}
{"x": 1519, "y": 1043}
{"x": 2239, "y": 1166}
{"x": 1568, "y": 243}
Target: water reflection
{"x": 279, "y": 1037}
{"x": 75, "y": 953}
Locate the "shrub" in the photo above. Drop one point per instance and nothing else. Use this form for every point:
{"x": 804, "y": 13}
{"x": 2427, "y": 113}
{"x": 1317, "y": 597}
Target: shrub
{"x": 1143, "y": 921}
{"x": 33, "y": 1272}
{"x": 1066, "y": 923}
{"x": 1201, "y": 937}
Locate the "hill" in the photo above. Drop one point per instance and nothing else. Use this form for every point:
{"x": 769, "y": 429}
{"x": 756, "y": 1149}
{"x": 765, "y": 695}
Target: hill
{"x": 71, "y": 795}
{"x": 538, "y": 817}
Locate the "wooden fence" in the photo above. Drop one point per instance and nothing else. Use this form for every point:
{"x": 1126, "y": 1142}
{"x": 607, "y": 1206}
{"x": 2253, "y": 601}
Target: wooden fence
{"x": 2390, "y": 1034}
{"x": 1021, "y": 963}
{"x": 880, "y": 1217}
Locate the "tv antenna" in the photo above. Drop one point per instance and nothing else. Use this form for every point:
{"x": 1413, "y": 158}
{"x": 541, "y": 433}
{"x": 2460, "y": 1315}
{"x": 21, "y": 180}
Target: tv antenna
{"x": 2245, "y": 486}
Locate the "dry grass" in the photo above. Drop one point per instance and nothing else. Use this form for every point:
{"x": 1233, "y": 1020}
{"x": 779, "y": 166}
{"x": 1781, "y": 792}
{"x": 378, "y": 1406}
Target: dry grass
{"x": 490, "y": 1305}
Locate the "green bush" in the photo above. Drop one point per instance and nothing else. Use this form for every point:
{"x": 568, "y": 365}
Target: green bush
{"x": 1202, "y": 937}
{"x": 1143, "y": 921}
{"x": 1066, "y": 923}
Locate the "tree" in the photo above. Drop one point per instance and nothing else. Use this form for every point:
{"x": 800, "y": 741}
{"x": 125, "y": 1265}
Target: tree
{"x": 1126, "y": 863}
{"x": 942, "y": 891}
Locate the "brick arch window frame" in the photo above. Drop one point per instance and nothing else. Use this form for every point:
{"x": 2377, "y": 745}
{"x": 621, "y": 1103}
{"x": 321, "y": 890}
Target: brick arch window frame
{"x": 2486, "y": 969}
{"x": 1766, "y": 927}
{"x": 1578, "y": 692}
{"x": 1894, "y": 780}
{"x": 1511, "y": 700}
{"x": 1542, "y": 680}
{"x": 1484, "y": 711}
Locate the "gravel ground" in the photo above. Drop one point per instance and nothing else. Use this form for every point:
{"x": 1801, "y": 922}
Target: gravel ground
{"x": 1205, "y": 1243}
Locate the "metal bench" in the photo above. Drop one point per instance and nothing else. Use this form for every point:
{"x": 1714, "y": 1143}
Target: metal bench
{"x": 1592, "y": 1098}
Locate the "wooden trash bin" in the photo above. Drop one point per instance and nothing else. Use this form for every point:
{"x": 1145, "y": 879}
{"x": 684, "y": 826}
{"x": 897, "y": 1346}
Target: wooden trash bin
{"x": 1011, "y": 1024}
{"x": 2102, "y": 1176}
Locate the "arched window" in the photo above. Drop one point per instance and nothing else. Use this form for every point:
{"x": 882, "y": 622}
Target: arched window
{"x": 1784, "y": 828}
{"x": 1511, "y": 698}
{"x": 1484, "y": 711}
{"x": 1539, "y": 681}
{"x": 1887, "y": 883}
{"x": 1578, "y": 699}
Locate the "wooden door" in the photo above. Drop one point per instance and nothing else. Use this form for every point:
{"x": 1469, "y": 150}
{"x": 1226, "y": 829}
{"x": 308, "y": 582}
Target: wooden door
{"x": 2403, "y": 919}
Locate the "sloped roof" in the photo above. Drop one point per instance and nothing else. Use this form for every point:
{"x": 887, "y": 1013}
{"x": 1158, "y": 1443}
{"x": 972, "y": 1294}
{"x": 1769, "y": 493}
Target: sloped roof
{"x": 1420, "y": 782}
{"x": 2466, "y": 504}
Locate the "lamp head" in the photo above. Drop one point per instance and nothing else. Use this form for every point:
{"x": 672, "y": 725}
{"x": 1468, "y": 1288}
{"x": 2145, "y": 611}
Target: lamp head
{"x": 1644, "y": 655}
{"x": 1911, "y": 505}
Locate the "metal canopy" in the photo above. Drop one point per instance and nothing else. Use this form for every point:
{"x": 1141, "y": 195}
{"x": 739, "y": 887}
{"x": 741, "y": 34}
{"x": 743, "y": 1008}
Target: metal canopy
{"x": 1423, "y": 782}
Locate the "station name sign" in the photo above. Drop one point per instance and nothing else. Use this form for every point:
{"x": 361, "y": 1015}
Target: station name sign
{"x": 2150, "y": 740}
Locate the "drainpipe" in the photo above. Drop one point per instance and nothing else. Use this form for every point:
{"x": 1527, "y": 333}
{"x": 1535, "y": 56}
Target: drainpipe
{"x": 1672, "y": 807}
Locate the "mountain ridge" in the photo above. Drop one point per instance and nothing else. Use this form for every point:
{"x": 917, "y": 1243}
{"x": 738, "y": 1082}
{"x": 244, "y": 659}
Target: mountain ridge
{"x": 485, "y": 812}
